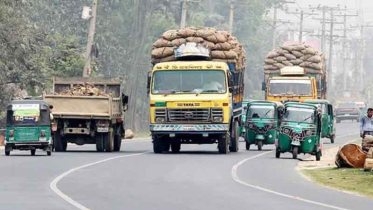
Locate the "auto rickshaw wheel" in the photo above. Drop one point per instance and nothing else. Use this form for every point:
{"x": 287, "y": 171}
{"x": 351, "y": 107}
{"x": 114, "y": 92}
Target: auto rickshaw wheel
{"x": 158, "y": 144}
{"x": 247, "y": 146}
{"x": 33, "y": 151}
{"x": 234, "y": 147}
{"x": 260, "y": 145}
{"x": 318, "y": 155}
{"x": 332, "y": 138}
{"x": 278, "y": 153}
{"x": 99, "y": 142}
{"x": 223, "y": 143}
{"x": 295, "y": 152}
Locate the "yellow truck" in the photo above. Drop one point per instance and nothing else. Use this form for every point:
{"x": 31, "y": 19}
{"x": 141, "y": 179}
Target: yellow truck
{"x": 292, "y": 84}
{"x": 195, "y": 100}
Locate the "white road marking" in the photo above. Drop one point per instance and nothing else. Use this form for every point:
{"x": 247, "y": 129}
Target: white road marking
{"x": 53, "y": 184}
{"x": 237, "y": 179}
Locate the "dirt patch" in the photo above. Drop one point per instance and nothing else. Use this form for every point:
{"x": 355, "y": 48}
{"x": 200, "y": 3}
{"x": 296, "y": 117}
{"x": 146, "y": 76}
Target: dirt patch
{"x": 2, "y": 140}
{"x": 327, "y": 160}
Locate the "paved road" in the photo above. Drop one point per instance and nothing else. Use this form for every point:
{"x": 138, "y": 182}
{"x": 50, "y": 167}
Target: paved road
{"x": 197, "y": 178}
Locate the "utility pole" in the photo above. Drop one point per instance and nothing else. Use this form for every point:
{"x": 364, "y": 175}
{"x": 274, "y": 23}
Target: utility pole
{"x": 323, "y": 29}
{"x": 183, "y": 14}
{"x": 91, "y": 34}
{"x": 275, "y": 20}
{"x": 231, "y": 17}
{"x": 302, "y": 15}
{"x": 330, "y": 80}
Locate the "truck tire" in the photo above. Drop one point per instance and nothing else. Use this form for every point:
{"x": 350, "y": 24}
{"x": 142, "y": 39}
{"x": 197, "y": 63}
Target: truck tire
{"x": 175, "y": 147}
{"x": 109, "y": 141}
{"x": 117, "y": 142}
{"x": 234, "y": 138}
{"x": 99, "y": 142}
{"x": 7, "y": 153}
{"x": 223, "y": 143}
{"x": 33, "y": 151}
{"x": 158, "y": 145}
{"x": 57, "y": 142}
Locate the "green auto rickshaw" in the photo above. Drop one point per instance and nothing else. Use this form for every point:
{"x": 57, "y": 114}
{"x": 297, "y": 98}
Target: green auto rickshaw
{"x": 300, "y": 130}
{"x": 262, "y": 120}
{"x": 242, "y": 130}
{"x": 28, "y": 126}
{"x": 328, "y": 127}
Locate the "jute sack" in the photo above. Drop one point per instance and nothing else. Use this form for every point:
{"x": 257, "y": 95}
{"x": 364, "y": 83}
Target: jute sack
{"x": 217, "y": 38}
{"x": 296, "y": 62}
{"x": 224, "y": 55}
{"x": 310, "y": 51}
{"x": 272, "y": 54}
{"x": 204, "y": 33}
{"x": 270, "y": 61}
{"x": 314, "y": 59}
{"x": 223, "y": 47}
{"x": 299, "y": 47}
{"x": 162, "y": 43}
{"x": 350, "y": 155}
{"x": 195, "y": 39}
{"x": 271, "y": 67}
{"x": 279, "y": 65}
{"x": 170, "y": 35}
{"x": 282, "y": 52}
{"x": 168, "y": 58}
{"x": 162, "y": 52}
{"x": 186, "y": 32}
{"x": 287, "y": 63}
{"x": 280, "y": 58}
{"x": 297, "y": 54}
{"x": 208, "y": 45}
{"x": 290, "y": 56}
{"x": 178, "y": 42}
{"x": 289, "y": 48}
{"x": 316, "y": 66}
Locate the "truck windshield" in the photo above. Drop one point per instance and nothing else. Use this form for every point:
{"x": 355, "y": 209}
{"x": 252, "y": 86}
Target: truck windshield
{"x": 299, "y": 115}
{"x": 290, "y": 87}
{"x": 185, "y": 81}
{"x": 257, "y": 112}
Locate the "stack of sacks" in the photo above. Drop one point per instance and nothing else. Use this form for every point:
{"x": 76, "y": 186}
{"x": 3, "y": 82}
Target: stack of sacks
{"x": 368, "y": 165}
{"x": 223, "y": 46}
{"x": 367, "y": 143}
{"x": 301, "y": 55}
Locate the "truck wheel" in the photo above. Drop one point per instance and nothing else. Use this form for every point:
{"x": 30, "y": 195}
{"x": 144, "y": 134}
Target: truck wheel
{"x": 99, "y": 142}
{"x": 33, "y": 151}
{"x": 223, "y": 143}
{"x": 117, "y": 143}
{"x": 158, "y": 145}
{"x": 167, "y": 146}
{"x": 247, "y": 146}
{"x": 7, "y": 153}
{"x": 64, "y": 143}
{"x": 234, "y": 138}
{"x": 175, "y": 147}
{"x": 295, "y": 152}
{"x": 109, "y": 142}
{"x": 260, "y": 145}
{"x": 57, "y": 142}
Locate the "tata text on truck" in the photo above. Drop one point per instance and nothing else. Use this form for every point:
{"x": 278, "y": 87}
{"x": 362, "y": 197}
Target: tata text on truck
{"x": 195, "y": 101}
{"x": 88, "y": 119}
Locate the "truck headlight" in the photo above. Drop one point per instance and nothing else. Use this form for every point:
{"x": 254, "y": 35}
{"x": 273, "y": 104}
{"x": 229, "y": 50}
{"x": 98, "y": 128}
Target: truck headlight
{"x": 217, "y": 119}
{"x": 160, "y": 119}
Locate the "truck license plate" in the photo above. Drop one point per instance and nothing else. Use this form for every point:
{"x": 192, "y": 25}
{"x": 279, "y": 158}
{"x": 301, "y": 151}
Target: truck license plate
{"x": 189, "y": 128}
{"x": 102, "y": 130}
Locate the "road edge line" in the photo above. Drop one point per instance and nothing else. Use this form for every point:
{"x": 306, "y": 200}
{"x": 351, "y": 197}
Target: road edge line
{"x": 53, "y": 184}
{"x": 237, "y": 179}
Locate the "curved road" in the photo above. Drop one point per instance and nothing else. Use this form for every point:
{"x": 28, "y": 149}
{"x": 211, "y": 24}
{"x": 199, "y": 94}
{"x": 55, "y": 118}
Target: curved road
{"x": 197, "y": 178}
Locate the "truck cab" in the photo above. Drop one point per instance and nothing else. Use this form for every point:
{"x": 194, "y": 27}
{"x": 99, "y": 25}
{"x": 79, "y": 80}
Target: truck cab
{"x": 292, "y": 84}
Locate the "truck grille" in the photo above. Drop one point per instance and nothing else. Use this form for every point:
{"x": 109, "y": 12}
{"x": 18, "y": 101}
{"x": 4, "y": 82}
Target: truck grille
{"x": 160, "y": 113}
{"x": 189, "y": 115}
{"x": 217, "y": 112}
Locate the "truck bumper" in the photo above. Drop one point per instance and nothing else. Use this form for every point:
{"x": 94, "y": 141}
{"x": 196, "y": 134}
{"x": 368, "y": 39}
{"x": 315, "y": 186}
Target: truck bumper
{"x": 190, "y": 129}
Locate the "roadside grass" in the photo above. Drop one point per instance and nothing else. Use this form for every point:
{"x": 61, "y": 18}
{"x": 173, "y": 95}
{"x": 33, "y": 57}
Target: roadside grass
{"x": 346, "y": 179}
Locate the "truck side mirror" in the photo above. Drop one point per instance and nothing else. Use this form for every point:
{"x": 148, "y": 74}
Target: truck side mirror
{"x": 264, "y": 86}
{"x": 124, "y": 102}
{"x": 148, "y": 82}
{"x": 50, "y": 106}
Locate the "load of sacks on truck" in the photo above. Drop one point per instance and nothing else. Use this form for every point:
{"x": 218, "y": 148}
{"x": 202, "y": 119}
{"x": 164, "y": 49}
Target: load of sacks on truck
{"x": 302, "y": 55}
{"x": 222, "y": 45}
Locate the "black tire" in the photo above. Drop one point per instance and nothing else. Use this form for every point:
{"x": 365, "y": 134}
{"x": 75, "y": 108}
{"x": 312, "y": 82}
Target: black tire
{"x": 278, "y": 153}
{"x": 117, "y": 142}
{"x": 223, "y": 143}
{"x": 247, "y": 146}
{"x": 167, "y": 146}
{"x": 295, "y": 152}
{"x": 234, "y": 146}
{"x": 57, "y": 142}
{"x": 318, "y": 156}
{"x": 99, "y": 142}
{"x": 260, "y": 145}
{"x": 7, "y": 153}
{"x": 64, "y": 143}
{"x": 49, "y": 150}
{"x": 33, "y": 152}
{"x": 109, "y": 142}
{"x": 175, "y": 147}
{"x": 158, "y": 145}
{"x": 49, "y": 153}
{"x": 332, "y": 138}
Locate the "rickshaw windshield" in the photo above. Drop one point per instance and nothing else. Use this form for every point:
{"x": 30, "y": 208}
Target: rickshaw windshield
{"x": 257, "y": 112}
{"x": 299, "y": 115}
{"x": 27, "y": 115}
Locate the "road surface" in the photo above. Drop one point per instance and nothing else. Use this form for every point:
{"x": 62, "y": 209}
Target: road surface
{"x": 197, "y": 179}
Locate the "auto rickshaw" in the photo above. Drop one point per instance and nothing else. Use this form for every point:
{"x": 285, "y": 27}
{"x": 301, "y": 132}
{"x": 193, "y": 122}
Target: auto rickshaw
{"x": 242, "y": 130}
{"x": 262, "y": 118}
{"x": 28, "y": 126}
{"x": 328, "y": 128}
{"x": 300, "y": 130}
